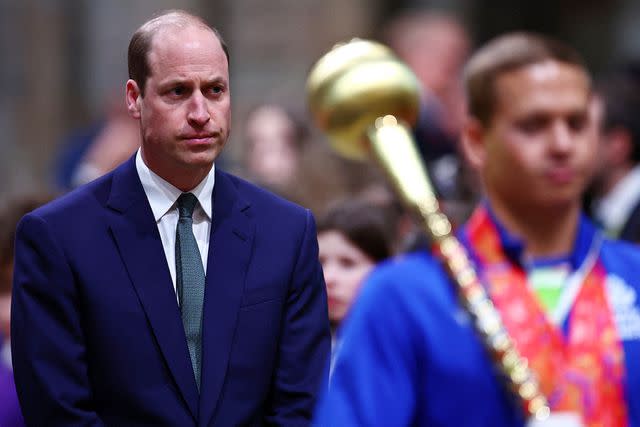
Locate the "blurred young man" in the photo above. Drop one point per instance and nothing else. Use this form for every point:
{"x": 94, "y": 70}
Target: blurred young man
{"x": 168, "y": 292}
{"x": 435, "y": 45}
{"x": 616, "y": 187}
{"x": 567, "y": 296}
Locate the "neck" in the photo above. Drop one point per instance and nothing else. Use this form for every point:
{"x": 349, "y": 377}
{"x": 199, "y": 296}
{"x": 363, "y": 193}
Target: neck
{"x": 188, "y": 180}
{"x": 184, "y": 179}
{"x": 548, "y": 232}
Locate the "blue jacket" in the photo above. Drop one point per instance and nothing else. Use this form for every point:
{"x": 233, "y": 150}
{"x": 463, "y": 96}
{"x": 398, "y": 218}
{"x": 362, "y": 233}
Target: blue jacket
{"x": 96, "y": 331}
{"x": 410, "y": 355}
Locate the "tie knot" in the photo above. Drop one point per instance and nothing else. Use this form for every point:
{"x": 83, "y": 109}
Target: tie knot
{"x": 186, "y": 203}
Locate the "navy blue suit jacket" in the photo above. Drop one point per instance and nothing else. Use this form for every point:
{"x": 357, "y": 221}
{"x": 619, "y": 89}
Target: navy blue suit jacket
{"x": 96, "y": 329}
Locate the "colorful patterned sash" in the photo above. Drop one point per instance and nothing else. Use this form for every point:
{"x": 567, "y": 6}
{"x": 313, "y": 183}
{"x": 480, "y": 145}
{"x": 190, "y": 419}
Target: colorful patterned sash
{"x": 582, "y": 372}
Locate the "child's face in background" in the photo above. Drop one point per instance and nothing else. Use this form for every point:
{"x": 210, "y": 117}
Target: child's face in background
{"x": 345, "y": 267}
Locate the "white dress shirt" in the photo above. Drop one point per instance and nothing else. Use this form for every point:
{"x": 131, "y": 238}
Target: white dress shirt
{"x": 162, "y": 197}
{"x": 613, "y": 209}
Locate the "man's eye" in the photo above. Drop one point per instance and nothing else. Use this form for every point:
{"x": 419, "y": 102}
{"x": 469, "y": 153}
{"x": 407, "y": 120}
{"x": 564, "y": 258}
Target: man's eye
{"x": 178, "y": 90}
{"x": 216, "y": 90}
{"x": 577, "y": 122}
{"x": 532, "y": 124}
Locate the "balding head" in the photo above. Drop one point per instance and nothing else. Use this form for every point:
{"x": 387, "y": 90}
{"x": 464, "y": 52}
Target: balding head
{"x": 141, "y": 41}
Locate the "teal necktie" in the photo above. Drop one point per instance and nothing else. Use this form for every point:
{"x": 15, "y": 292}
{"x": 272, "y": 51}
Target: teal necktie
{"x": 190, "y": 281}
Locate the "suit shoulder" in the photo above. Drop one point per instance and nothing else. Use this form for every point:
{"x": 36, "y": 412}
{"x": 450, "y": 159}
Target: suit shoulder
{"x": 77, "y": 202}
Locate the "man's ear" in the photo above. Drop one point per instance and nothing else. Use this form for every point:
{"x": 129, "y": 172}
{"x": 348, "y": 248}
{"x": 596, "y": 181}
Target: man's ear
{"x": 473, "y": 144}
{"x": 134, "y": 98}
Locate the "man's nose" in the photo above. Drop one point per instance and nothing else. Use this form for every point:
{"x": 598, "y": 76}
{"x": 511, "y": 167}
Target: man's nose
{"x": 198, "y": 114}
{"x": 561, "y": 137}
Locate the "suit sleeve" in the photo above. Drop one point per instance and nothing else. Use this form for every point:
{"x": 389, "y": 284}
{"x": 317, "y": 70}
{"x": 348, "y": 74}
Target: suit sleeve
{"x": 302, "y": 365}
{"x": 48, "y": 349}
{"x": 373, "y": 382}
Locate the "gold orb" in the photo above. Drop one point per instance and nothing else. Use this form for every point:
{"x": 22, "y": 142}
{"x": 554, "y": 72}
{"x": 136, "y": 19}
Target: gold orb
{"x": 354, "y": 84}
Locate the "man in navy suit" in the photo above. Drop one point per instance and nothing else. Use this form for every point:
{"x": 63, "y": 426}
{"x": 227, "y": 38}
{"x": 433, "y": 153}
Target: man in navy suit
{"x": 104, "y": 289}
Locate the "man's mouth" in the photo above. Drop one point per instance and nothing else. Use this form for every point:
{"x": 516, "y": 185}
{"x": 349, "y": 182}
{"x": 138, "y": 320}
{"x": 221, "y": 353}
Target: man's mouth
{"x": 561, "y": 175}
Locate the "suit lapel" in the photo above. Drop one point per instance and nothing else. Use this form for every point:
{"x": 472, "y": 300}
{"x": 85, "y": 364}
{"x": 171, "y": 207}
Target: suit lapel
{"x": 136, "y": 235}
{"x": 230, "y": 246}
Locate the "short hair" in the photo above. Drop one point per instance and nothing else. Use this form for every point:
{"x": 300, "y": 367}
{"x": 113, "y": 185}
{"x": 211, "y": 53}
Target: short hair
{"x": 507, "y": 53}
{"x": 140, "y": 44}
{"x": 362, "y": 223}
{"x": 620, "y": 92}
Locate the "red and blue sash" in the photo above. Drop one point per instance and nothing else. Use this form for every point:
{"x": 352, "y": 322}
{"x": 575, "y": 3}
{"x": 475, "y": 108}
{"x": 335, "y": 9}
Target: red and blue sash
{"x": 581, "y": 371}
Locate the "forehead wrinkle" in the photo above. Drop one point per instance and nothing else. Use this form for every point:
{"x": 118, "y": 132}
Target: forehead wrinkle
{"x": 165, "y": 42}
{"x": 545, "y": 86}
{"x": 168, "y": 48}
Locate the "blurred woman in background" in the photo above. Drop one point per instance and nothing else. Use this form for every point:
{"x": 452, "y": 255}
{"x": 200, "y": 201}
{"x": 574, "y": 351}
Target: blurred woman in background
{"x": 353, "y": 236}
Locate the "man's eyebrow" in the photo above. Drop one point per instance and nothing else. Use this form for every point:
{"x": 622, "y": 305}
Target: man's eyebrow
{"x": 215, "y": 80}
{"x": 180, "y": 81}
{"x": 172, "y": 82}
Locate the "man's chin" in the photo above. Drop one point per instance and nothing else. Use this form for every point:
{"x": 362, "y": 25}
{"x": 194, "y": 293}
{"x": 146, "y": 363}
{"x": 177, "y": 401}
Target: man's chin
{"x": 200, "y": 160}
{"x": 561, "y": 201}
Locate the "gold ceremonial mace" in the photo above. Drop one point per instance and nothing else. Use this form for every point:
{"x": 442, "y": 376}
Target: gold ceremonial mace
{"x": 365, "y": 99}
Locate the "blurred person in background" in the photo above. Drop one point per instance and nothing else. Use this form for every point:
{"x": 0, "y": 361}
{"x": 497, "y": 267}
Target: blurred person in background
{"x": 281, "y": 155}
{"x": 615, "y": 193}
{"x": 435, "y": 45}
{"x": 93, "y": 151}
{"x": 10, "y": 214}
{"x": 568, "y": 297}
{"x": 407, "y": 235}
{"x": 169, "y": 292}
{"x": 353, "y": 236}
{"x": 274, "y": 140}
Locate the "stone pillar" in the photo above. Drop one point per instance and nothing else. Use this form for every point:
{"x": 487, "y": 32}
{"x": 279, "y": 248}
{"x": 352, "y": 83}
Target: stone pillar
{"x": 34, "y": 60}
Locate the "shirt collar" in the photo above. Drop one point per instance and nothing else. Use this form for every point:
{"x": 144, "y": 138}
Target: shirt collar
{"x": 514, "y": 247}
{"x": 162, "y": 195}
